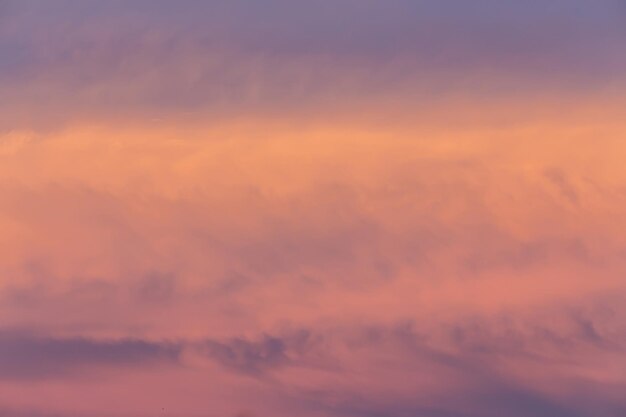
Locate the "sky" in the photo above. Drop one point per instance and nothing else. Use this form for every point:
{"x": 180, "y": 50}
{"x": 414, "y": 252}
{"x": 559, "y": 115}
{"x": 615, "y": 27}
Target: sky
{"x": 346, "y": 208}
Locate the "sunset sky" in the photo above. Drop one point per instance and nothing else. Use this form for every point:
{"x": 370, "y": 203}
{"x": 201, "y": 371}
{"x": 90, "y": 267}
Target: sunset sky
{"x": 329, "y": 208}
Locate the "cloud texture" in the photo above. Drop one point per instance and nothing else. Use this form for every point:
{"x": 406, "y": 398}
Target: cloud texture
{"x": 335, "y": 208}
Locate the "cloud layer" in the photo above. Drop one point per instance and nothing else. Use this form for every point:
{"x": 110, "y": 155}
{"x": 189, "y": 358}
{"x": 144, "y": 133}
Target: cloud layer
{"x": 337, "y": 209}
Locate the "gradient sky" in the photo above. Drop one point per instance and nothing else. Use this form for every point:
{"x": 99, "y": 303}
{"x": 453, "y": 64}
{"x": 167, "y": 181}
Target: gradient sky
{"x": 332, "y": 208}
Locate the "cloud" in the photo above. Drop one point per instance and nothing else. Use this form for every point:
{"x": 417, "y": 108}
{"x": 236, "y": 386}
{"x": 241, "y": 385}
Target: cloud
{"x": 333, "y": 208}
{"x": 146, "y": 60}
{"x": 135, "y": 229}
{"x": 248, "y": 357}
{"x": 563, "y": 185}
{"x": 432, "y": 369}
{"x": 11, "y": 412}
{"x": 482, "y": 366}
{"x": 28, "y": 356}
